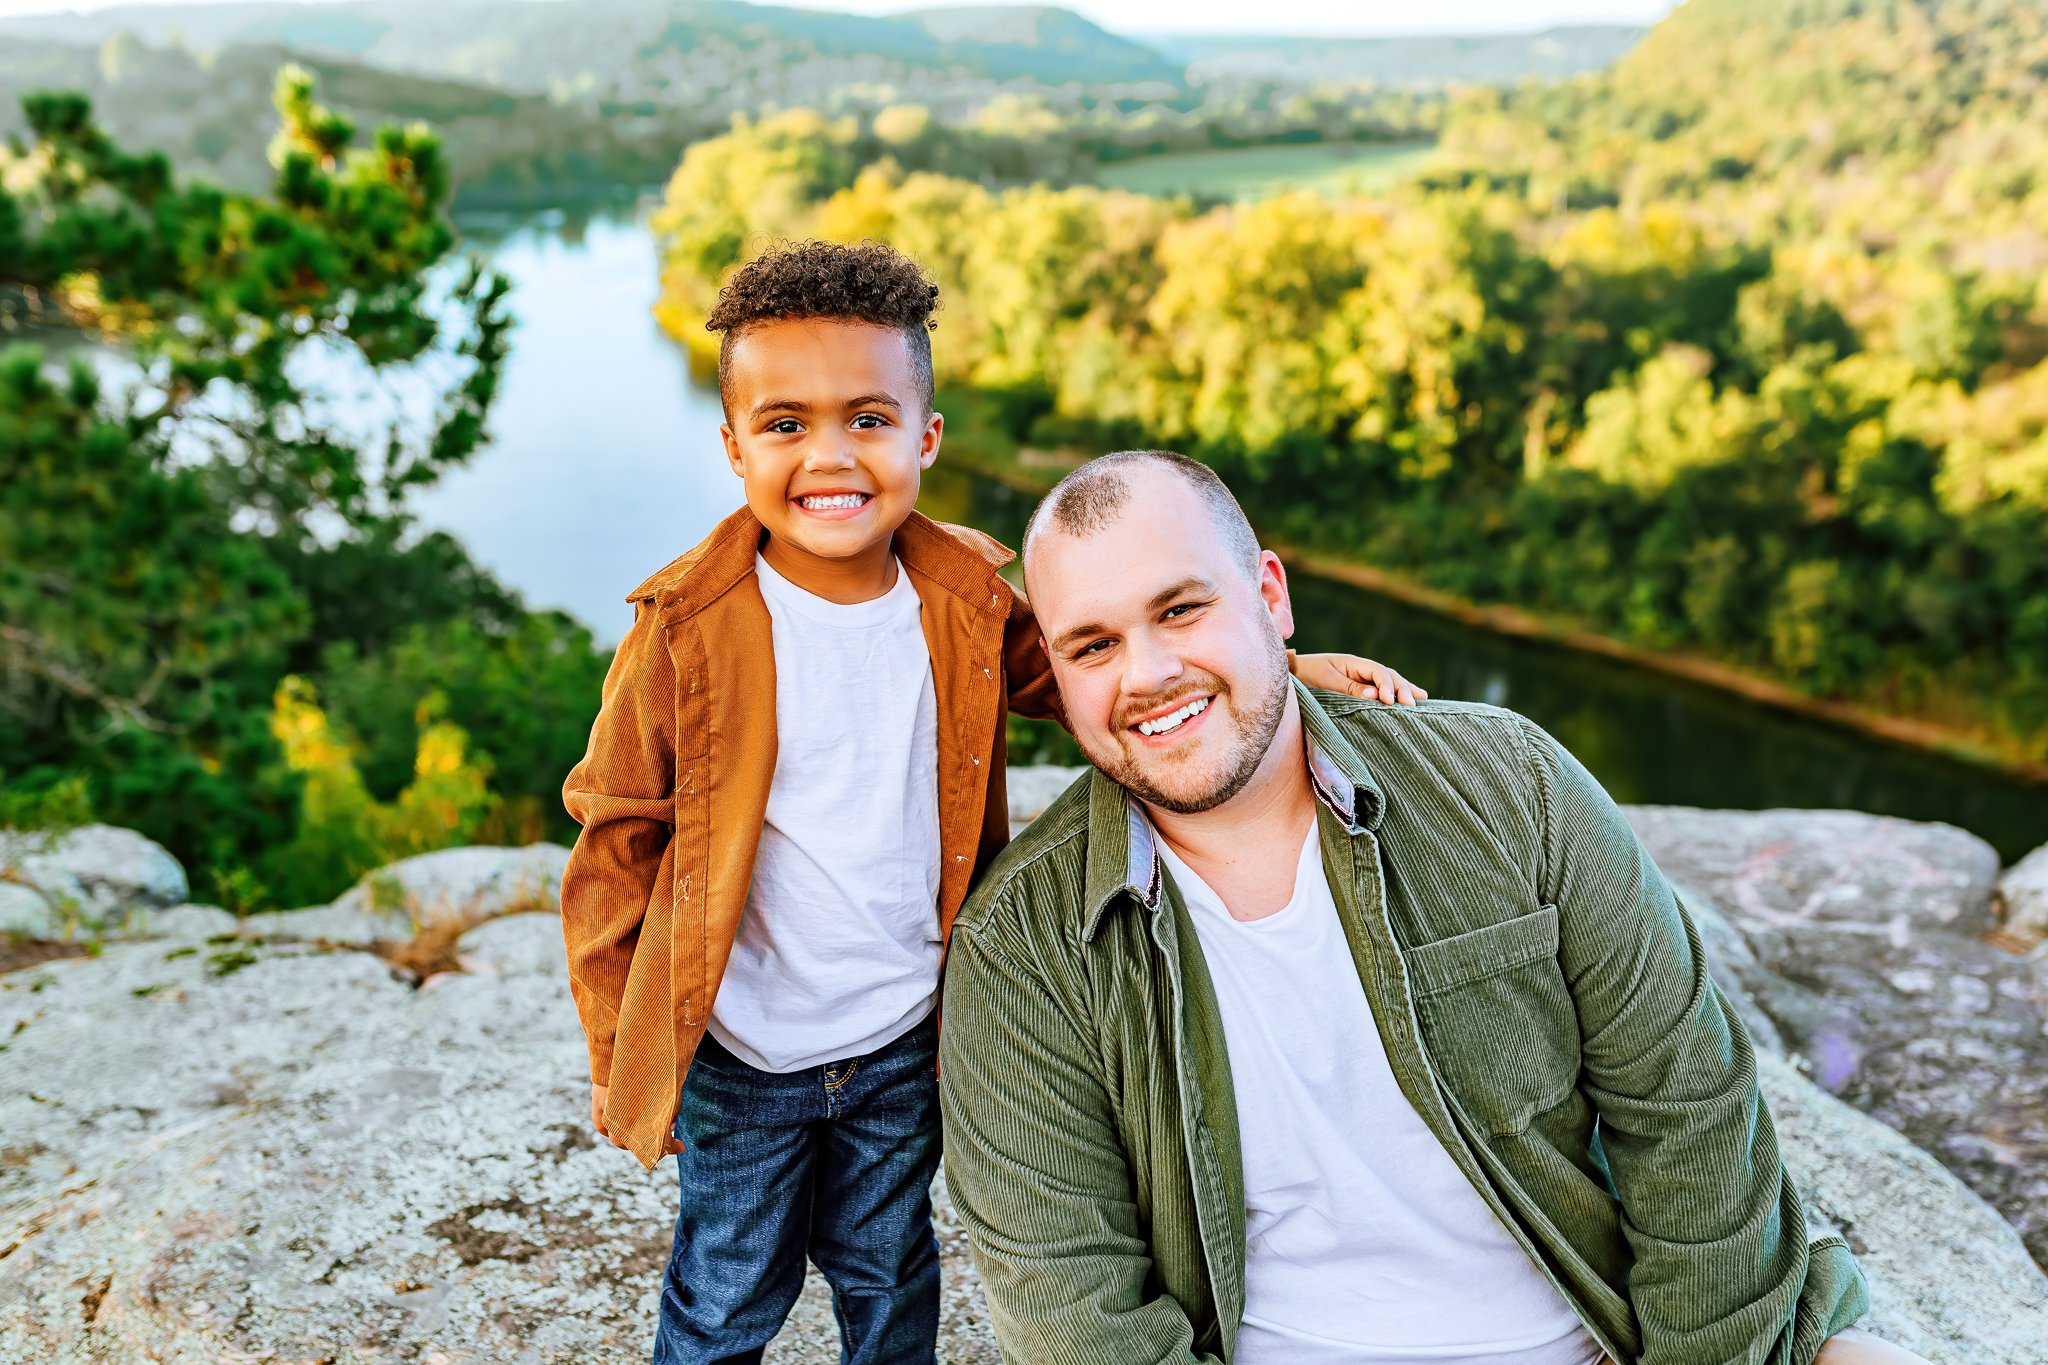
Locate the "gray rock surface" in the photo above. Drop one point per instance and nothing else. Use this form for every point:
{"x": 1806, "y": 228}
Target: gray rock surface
{"x": 1864, "y": 950}
{"x": 276, "y": 1152}
{"x": 515, "y": 945}
{"x": 1948, "y": 1277}
{"x": 23, "y": 911}
{"x": 2021, "y": 900}
{"x": 330, "y": 924}
{"x": 460, "y": 882}
{"x": 189, "y": 921}
{"x": 98, "y": 872}
{"x": 1790, "y": 872}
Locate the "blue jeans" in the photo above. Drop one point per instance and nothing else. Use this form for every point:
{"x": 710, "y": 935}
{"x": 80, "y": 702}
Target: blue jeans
{"x": 833, "y": 1162}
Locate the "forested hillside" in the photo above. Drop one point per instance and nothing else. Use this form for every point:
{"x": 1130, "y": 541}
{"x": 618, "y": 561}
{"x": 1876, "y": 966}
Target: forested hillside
{"x": 1737, "y": 349}
{"x": 210, "y": 115}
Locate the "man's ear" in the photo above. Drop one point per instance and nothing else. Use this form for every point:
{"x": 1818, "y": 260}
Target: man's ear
{"x": 732, "y": 449}
{"x": 1273, "y": 591}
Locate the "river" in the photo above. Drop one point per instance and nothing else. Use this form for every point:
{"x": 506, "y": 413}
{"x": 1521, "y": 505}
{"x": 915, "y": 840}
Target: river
{"x": 605, "y": 463}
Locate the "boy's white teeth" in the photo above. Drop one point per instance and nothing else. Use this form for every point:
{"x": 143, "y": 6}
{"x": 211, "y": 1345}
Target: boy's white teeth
{"x": 1174, "y": 719}
{"x": 834, "y": 502}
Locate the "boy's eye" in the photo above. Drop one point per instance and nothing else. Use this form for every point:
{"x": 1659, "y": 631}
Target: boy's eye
{"x": 870, "y": 420}
{"x": 786, "y": 426}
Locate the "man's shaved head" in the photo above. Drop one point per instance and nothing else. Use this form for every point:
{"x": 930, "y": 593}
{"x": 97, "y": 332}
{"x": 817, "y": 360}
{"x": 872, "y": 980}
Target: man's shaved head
{"x": 1094, "y": 496}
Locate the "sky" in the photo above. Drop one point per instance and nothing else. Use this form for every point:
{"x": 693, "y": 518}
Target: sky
{"x": 1356, "y": 17}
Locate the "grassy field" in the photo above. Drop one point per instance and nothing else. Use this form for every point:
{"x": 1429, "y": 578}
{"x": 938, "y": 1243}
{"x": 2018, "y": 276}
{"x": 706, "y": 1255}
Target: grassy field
{"x": 1252, "y": 172}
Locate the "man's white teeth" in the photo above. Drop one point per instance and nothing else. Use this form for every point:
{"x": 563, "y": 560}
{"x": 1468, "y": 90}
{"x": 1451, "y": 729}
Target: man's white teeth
{"x": 834, "y": 502}
{"x": 1174, "y": 720}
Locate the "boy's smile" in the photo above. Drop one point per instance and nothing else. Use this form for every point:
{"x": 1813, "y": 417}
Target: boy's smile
{"x": 826, "y": 425}
{"x": 834, "y": 504}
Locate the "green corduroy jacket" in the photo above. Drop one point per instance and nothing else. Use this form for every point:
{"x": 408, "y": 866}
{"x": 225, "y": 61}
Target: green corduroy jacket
{"x": 1541, "y": 995}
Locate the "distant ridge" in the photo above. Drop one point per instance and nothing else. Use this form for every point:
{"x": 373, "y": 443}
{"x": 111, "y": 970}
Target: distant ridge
{"x": 1421, "y": 60}
{"x": 639, "y": 48}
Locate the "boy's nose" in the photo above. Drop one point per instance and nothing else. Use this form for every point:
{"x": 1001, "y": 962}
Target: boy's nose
{"x": 828, "y": 456}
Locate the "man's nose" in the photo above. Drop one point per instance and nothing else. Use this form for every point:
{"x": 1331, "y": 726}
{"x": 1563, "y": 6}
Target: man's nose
{"x": 1150, "y": 666}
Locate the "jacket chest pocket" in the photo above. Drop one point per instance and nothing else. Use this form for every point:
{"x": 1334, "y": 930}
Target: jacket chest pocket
{"x": 1498, "y": 1019}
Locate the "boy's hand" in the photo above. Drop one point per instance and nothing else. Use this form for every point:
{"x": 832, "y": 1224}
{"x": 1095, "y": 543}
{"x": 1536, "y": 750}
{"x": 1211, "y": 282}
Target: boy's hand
{"x": 1359, "y": 677}
{"x": 597, "y": 1094}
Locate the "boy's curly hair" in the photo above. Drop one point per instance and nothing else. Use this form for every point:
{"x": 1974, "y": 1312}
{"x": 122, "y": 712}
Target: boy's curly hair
{"x": 862, "y": 282}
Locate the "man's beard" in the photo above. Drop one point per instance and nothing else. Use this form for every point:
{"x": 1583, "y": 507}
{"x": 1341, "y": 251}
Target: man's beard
{"x": 1252, "y": 727}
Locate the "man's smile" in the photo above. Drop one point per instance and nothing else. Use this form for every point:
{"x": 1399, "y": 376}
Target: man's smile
{"x": 1175, "y": 720}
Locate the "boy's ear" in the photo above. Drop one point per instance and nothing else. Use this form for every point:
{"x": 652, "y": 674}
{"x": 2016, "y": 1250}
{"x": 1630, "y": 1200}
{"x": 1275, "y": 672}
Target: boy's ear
{"x": 732, "y": 449}
{"x": 928, "y": 449}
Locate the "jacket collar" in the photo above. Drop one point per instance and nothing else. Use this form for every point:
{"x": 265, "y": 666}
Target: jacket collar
{"x": 1123, "y": 854}
{"x": 959, "y": 560}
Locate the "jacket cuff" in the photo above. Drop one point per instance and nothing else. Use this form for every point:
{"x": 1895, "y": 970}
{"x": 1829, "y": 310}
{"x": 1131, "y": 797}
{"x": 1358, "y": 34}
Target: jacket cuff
{"x": 1833, "y": 1296}
{"x": 600, "y": 1062}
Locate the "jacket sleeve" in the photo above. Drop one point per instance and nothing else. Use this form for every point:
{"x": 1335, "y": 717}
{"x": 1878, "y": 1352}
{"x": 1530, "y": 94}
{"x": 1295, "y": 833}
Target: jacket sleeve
{"x": 1039, "y": 1178}
{"x": 1722, "y": 1268}
{"x": 1027, "y": 670}
{"x": 622, "y": 793}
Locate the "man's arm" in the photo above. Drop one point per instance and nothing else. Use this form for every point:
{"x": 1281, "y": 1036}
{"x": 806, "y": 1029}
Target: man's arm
{"x": 622, "y": 794}
{"x": 1039, "y": 1178}
{"x": 1718, "y": 1232}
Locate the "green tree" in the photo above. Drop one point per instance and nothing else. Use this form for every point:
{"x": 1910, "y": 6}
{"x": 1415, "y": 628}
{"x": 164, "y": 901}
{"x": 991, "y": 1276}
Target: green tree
{"x": 168, "y": 550}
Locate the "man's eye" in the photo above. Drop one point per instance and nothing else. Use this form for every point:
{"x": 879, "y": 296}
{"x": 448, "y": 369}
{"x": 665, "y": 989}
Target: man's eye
{"x": 1182, "y": 609}
{"x": 1092, "y": 647}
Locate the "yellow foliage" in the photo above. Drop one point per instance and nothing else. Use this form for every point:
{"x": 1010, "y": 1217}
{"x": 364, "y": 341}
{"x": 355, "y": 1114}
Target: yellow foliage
{"x": 1667, "y": 420}
{"x": 1994, "y": 442}
{"x": 343, "y": 830}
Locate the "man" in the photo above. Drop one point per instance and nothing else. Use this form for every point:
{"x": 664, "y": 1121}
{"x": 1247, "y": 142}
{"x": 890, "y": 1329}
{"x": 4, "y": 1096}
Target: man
{"x": 1318, "y": 1032}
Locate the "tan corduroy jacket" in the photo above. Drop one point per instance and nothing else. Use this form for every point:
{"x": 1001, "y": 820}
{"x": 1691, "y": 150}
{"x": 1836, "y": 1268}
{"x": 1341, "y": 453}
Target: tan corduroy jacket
{"x": 672, "y": 789}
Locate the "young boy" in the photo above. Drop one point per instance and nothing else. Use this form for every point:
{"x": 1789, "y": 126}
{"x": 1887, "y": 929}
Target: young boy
{"x": 796, "y": 771}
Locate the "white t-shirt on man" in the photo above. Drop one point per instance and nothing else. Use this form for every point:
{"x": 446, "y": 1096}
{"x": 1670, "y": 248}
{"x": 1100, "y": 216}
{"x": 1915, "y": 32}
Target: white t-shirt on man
{"x": 1364, "y": 1242}
{"x": 838, "y": 947}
